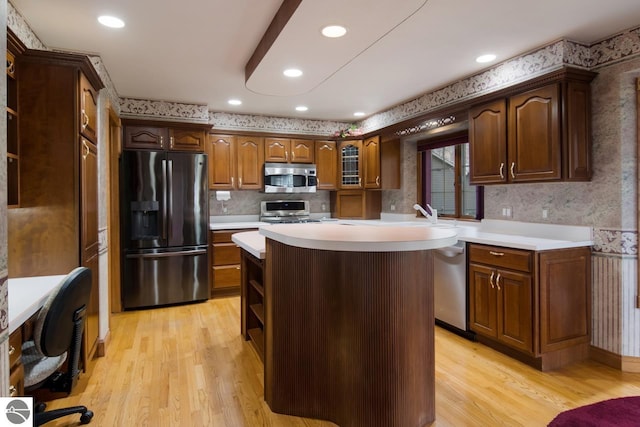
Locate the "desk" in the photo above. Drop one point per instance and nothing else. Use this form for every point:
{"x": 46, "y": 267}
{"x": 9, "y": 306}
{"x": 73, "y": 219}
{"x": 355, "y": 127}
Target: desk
{"x": 27, "y": 295}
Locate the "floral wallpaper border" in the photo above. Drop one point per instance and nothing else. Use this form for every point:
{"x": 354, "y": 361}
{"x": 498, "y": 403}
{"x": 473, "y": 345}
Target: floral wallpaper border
{"x": 615, "y": 242}
{"x": 163, "y": 110}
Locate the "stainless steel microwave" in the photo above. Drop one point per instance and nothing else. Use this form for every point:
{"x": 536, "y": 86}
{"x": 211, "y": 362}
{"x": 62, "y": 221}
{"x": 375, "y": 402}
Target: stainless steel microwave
{"x": 290, "y": 178}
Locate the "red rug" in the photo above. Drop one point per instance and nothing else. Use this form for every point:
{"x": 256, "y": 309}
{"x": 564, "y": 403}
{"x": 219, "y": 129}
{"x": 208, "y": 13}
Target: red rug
{"x": 621, "y": 412}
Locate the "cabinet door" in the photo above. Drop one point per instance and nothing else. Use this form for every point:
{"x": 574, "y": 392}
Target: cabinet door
{"x": 577, "y": 119}
{"x": 222, "y": 162}
{"x": 89, "y": 198}
{"x": 350, "y": 164}
{"x": 89, "y": 240}
{"x": 534, "y": 147}
{"x": 88, "y": 109}
{"x": 326, "y": 154}
{"x": 371, "y": 166}
{"x": 250, "y": 155}
{"x": 276, "y": 150}
{"x": 488, "y": 143}
{"x": 302, "y": 151}
{"x": 186, "y": 140}
{"x": 482, "y": 300}
{"x": 356, "y": 204}
{"x": 145, "y": 137}
{"x": 515, "y": 323}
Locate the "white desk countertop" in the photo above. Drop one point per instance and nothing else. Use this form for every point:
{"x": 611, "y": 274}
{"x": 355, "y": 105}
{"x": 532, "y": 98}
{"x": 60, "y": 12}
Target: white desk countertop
{"x": 27, "y": 295}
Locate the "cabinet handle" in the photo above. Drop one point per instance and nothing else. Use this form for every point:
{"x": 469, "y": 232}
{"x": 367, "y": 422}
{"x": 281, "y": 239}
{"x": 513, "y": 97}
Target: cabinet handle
{"x": 85, "y": 150}
{"x": 496, "y": 253}
{"x": 286, "y": 155}
{"x": 85, "y": 120}
{"x": 293, "y": 156}
{"x": 11, "y": 67}
{"x": 513, "y": 165}
{"x": 377, "y": 180}
{"x": 12, "y": 350}
{"x": 162, "y": 141}
{"x": 491, "y": 279}
{"x": 171, "y": 141}
{"x": 359, "y": 182}
{"x": 237, "y": 268}
{"x": 12, "y": 390}
{"x": 498, "y": 281}
{"x": 501, "y": 170}
{"x": 232, "y": 181}
{"x": 240, "y": 182}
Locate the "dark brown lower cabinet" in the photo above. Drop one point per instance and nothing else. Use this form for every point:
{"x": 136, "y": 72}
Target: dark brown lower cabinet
{"x": 534, "y": 306}
{"x": 224, "y": 259}
{"x": 252, "y": 301}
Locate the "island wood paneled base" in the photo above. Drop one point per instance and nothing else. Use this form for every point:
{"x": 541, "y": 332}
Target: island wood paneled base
{"x": 349, "y": 336}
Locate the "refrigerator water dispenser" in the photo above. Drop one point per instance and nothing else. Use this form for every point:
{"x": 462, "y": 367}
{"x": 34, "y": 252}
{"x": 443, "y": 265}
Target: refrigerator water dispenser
{"x": 145, "y": 216}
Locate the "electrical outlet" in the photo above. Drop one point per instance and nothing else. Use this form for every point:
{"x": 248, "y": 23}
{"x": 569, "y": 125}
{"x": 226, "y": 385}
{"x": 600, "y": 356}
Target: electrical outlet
{"x": 507, "y": 212}
{"x": 323, "y": 207}
{"x": 545, "y": 213}
{"x": 393, "y": 207}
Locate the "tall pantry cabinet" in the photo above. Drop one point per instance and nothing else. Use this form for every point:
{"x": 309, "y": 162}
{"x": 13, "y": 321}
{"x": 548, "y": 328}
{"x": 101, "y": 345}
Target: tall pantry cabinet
{"x": 55, "y": 229}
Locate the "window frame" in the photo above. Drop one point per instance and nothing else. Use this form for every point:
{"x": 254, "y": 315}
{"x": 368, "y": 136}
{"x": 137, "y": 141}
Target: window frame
{"x": 424, "y": 173}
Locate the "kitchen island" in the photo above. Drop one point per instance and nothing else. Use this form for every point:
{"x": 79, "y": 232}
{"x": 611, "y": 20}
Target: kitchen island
{"x": 348, "y": 321}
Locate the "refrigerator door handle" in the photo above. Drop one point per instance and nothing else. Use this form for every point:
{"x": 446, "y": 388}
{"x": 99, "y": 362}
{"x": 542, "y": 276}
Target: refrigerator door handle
{"x": 169, "y": 187}
{"x": 168, "y": 254}
{"x": 164, "y": 200}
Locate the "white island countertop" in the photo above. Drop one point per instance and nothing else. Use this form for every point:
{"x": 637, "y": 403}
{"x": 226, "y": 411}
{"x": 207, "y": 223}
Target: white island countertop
{"x": 344, "y": 237}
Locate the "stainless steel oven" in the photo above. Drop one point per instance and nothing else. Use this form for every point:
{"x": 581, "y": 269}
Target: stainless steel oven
{"x": 289, "y": 178}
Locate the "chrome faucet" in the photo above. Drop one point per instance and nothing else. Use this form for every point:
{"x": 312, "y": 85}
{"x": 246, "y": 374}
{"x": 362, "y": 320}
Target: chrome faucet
{"x": 433, "y": 218}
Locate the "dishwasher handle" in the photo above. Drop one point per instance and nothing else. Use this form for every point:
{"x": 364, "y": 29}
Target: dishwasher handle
{"x": 451, "y": 251}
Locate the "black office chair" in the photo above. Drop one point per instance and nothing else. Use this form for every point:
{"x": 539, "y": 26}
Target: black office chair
{"x": 58, "y": 333}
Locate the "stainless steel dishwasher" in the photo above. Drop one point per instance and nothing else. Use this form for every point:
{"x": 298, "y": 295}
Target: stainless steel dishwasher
{"x": 450, "y": 288}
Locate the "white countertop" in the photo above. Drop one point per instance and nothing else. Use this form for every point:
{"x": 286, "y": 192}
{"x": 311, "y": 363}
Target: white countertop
{"x": 251, "y": 241}
{"x": 27, "y": 295}
{"x": 512, "y": 234}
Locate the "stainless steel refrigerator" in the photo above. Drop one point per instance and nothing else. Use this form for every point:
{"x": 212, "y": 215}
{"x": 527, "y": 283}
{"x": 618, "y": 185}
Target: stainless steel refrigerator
{"x": 165, "y": 221}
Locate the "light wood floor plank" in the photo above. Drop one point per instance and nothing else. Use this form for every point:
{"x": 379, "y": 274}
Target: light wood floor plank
{"x": 188, "y": 366}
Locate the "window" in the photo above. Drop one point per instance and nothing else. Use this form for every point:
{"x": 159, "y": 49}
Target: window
{"x": 444, "y": 179}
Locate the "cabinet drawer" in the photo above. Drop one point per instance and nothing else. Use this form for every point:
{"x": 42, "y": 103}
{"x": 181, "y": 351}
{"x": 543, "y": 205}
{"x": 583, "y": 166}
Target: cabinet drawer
{"x": 226, "y": 253}
{"x": 15, "y": 347}
{"x": 226, "y": 276}
{"x": 16, "y": 381}
{"x": 497, "y": 256}
{"x": 224, "y": 236}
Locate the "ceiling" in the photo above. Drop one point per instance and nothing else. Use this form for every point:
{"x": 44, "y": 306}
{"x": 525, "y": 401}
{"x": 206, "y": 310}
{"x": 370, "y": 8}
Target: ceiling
{"x": 196, "y": 51}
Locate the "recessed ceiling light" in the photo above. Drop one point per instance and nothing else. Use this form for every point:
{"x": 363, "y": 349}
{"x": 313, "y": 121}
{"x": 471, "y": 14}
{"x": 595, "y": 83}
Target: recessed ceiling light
{"x": 485, "y": 58}
{"x": 111, "y": 21}
{"x": 292, "y": 72}
{"x": 234, "y": 102}
{"x": 358, "y": 114}
{"x": 301, "y": 108}
{"x": 334, "y": 31}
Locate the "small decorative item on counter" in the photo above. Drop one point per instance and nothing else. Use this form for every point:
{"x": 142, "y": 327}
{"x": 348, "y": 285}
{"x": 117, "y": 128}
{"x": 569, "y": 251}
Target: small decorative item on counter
{"x": 352, "y": 130}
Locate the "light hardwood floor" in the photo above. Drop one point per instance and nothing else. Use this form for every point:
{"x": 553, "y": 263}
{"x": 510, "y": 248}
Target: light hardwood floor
{"x": 189, "y": 366}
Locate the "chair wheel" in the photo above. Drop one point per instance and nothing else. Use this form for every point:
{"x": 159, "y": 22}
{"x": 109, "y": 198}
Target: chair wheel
{"x": 40, "y": 407}
{"x": 86, "y": 417}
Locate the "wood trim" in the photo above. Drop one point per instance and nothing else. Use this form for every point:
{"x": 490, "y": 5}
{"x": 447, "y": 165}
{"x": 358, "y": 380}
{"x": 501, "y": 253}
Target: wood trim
{"x": 114, "y": 141}
{"x": 605, "y": 357}
{"x": 281, "y": 18}
{"x": 14, "y": 44}
{"x": 630, "y": 364}
{"x": 161, "y": 123}
{"x": 101, "y": 349}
